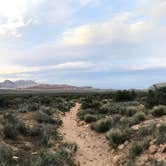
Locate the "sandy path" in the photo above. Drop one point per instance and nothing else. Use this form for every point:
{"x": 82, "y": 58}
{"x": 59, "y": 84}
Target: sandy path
{"x": 93, "y": 149}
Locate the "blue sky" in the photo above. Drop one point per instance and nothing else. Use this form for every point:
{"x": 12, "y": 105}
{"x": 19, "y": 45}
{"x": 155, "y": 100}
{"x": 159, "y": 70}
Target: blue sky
{"x": 100, "y": 43}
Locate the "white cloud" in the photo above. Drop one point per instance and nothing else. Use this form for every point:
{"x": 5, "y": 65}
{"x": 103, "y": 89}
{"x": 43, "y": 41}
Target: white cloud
{"x": 17, "y": 69}
{"x": 75, "y": 66}
{"x": 154, "y": 9}
{"x": 13, "y": 15}
{"x": 108, "y": 31}
{"x": 17, "y": 14}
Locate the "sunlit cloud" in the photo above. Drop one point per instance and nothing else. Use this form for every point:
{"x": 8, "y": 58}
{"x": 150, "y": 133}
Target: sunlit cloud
{"x": 42, "y": 39}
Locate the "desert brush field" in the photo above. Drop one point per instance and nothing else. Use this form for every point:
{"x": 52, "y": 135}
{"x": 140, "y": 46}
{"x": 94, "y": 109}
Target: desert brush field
{"x": 115, "y": 128}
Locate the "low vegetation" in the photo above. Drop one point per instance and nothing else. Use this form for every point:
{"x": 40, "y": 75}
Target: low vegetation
{"x": 132, "y": 121}
{"x": 29, "y": 131}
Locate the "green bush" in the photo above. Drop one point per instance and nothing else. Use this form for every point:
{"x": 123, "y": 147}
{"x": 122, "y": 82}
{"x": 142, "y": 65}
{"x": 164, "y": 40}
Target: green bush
{"x": 5, "y": 155}
{"x": 158, "y": 111}
{"x": 21, "y": 128}
{"x": 90, "y": 118}
{"x": 101, "y": 125}
{"x": 42, "y": 117}
{"x": 161, "y": 134}
{"x": 23, "y": 108}
{"x": 10, "y": 131}
{"x": 125, "y": 122}
{"x": 36, "y": 130}
{"x": 137, "y": 118}
{"x": 62, "y": 156}
{"x": 117, "y": 137}
{"x": 10, "y": 118}
{"x": 154, "y": 162}
{"x": 135, "y": 150}
{"x": 84, "y": 112}
{"x": 124, "y": 95}
{"x": 44, "y": 134}
{"x": 147, "y": 130}
{"x": 130, "y": 111}
{"x": 162, "y": 128}
{"x": 46, "y": 110}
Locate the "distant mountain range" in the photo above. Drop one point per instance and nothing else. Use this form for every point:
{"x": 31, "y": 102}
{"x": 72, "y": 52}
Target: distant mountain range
{"x": 31, "y": 85}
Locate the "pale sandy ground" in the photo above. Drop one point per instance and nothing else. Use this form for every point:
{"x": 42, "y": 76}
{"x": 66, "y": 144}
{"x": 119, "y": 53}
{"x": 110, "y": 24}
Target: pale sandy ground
{"x": 93, "y": 148}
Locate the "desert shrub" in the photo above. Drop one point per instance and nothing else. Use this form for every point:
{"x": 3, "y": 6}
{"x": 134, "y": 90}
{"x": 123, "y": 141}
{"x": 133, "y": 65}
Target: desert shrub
{"x": 33, "y": 106}
{"x": 46, "y": 110}
{"x": 12, "y": 127}
{"x": 26, "y": 159}
{"x": 90, "y": 118}
{"x": 137, "y": 118}
{"x": 147, "y": 130}
{"x": 124, "y": 95}
{"x": 21, "y": 128}
{"x": 145, "y": 143}
{"x": 36, "y": 130}
{"x": 83, "y": 112}
{"x": 125, "y": 122}
{"x": 9, "y": 118}
{"x": 42, "y": 117}
{"x": 130, "y": 111}
{"x": 23, "y": 108}
{"x": 135, "y": 150}
{"x": 158, "y": 111}
{"x": 162, "y": 128}
{"x": 101, "y": 125}
{"x": 154, "y": 162}
{"x": 62, "y": 156}
{"x": 117, "y": 107}
{"x": 156, "y": 97}
{"x": 151, "y": 99}
{"x": 44, "y": 134}
{"x": 161, "y": 134}
{"x": 90, "y": 102}
{"x": 10, "y": 131}
{"x": 5, "y": 155}
{"x": 117, "y": 137}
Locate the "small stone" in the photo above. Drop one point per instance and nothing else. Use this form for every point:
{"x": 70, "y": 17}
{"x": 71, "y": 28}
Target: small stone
{"x": 152, "y": 142}
{"x": 112, "y": 151}
{"x": 15, "y": 149}
{"x": 162, "y": 148}
{"x": 82, "y": 123}
{"x": 116, "y": 158}
{"x": 28, "y": 145}
{"x": 15, "y": 158}
{"x": 34, "y": 153}
{"x": 126, "y": 143}
{"x": 158, "y": 125}
{"x": 120, "y": 147}
{"x": 136, "y": 127}
{"x": 152, "y": 149}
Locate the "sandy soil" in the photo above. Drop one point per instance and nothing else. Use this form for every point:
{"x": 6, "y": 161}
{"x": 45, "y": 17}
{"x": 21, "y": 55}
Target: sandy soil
{"x": 93, "y": 148}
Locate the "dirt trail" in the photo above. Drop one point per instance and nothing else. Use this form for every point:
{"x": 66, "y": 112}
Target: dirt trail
{"x": 93, "y": 148}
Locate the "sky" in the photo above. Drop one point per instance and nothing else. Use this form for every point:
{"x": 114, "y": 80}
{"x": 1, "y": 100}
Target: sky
{"x": 100, "y": 43}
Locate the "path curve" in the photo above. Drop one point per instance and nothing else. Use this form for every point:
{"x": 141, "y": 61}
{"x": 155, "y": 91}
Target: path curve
{"x": 93, "y": 148}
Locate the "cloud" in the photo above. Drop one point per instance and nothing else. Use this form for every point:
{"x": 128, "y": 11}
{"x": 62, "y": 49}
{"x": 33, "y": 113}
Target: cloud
{"x": 13, "y": 15}
{"x": 56, "y": 43}
{"x": 17, "y": 14}
{"x": 154, "y": 9}
{"x": 122, "y": 27}
{"x": 17, "y": 69}
{"x": 74, "y": 66}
